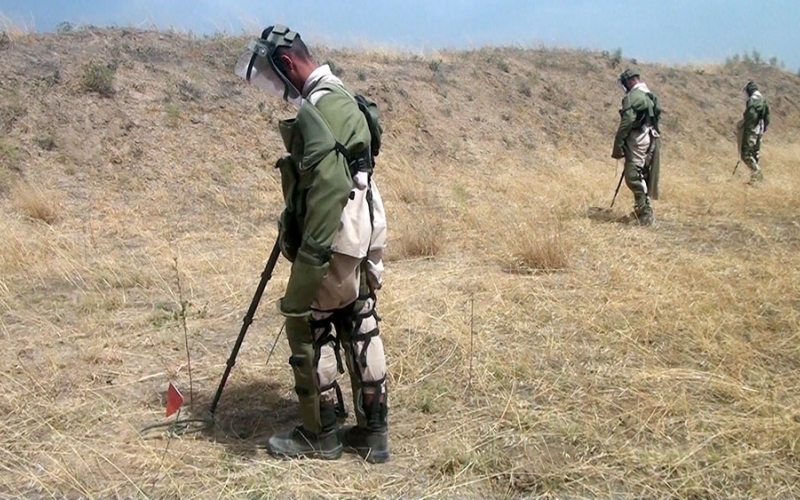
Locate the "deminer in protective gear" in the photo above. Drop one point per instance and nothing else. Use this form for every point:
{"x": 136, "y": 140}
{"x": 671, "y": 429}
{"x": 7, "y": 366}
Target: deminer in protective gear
{"x": 751, "y": 128}
{"x": 637, "y": 140}
{"x": 333, "y": 230}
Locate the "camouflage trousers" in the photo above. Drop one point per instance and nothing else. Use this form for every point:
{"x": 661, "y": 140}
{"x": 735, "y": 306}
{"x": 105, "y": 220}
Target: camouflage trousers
{"x": 638, "y": 153}
{"x": 749, "y": 148}
{"x": 751, "y": 151}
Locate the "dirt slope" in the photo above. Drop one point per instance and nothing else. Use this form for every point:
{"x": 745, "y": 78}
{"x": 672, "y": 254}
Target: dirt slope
{"x": 533, "y": 351}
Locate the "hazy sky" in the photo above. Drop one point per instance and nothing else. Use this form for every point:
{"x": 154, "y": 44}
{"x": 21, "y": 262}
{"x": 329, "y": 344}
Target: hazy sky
{"x": 652, "y": 30}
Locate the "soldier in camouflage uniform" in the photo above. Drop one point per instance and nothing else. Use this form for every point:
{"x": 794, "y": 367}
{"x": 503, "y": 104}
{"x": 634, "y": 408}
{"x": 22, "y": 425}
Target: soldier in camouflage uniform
{"x": 637, "y": 140}
{"x": 333, "y": 230}
{"x": 751, "y": 128}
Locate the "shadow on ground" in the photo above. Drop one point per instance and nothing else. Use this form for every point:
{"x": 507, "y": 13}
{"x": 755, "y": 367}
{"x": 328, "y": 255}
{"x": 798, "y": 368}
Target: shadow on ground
{"x": 600, "y": 214}
{"x": 246, "y": 415}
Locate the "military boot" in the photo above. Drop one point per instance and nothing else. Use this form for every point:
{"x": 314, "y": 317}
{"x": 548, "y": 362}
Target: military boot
{"x": 300, "y": 442}
{"x": 372, "y": 441}
{"x": 646, "y": 218}
{"x": 756, "y": 177}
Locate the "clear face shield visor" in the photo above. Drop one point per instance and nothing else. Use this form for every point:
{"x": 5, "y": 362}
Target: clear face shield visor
{"x": 255, "y": 66}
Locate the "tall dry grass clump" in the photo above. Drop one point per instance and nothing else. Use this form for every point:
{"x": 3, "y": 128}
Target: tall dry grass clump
{"x": 418, "y": 236}
{"x": 414, "y": 210}
{"x": 538, "y": 250}
{"x": 35, "y": 203}
{"x": 11, "y": 30}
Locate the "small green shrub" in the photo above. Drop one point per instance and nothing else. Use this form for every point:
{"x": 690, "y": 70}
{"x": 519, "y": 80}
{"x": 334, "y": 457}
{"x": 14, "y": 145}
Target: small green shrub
{"x": 98, "y": 78}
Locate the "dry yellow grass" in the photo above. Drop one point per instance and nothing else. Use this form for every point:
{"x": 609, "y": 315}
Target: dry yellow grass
{"x": 11, "y": 30}
{"x": 35, "y": 203}
{"x": 657, "y": 362}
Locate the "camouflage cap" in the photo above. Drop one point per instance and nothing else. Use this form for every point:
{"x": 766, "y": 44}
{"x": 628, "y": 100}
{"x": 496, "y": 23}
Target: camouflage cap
{"x": 750, "y": 87}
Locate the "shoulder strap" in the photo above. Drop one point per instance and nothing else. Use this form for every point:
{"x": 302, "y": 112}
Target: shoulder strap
{"x": 333, "y": 87}
{"x": 354, "y": 163}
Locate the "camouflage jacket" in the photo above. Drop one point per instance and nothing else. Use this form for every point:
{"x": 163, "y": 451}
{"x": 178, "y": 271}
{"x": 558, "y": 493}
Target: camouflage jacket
{"x": 639, "y": 110}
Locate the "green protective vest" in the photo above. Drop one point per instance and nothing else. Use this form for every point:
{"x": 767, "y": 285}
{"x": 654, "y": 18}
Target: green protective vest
{"x": 317, "y": 183}
{"x": 638, "y": 109}
{"x": 755, "y": 111}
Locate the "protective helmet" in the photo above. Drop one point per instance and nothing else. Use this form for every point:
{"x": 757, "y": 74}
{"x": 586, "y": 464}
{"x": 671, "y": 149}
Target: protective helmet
{"x": 627, "y": 75}
{"x": 750, "y": 88}
{"x": 260, "y": 65}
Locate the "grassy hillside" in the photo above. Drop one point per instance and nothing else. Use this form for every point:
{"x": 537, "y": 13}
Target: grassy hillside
{"x": 533, "y": 350}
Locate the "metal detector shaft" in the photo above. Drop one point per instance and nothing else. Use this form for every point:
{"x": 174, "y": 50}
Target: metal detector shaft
{"x": 735, "y": 167}
{"x": 619, "y": 184}
{"x": 248, "y": 318}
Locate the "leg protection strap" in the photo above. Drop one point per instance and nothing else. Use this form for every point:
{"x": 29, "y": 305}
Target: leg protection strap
{"x": 327, "y": 359}
{"x": 323, "y": 335}
{"x": 365, "y": 356}
{"x": 341, "y": 410}
{"x": 378, "y": 393}
{"x": 366, "y": 325}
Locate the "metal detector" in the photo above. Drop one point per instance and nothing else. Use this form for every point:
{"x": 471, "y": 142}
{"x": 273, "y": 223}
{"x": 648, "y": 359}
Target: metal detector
{"x": 619, "y": 184}
{"x": 182, "y": 426}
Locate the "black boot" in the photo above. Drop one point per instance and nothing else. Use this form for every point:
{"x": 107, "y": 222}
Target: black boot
{"x": 372, "y": 441}
{"x": 300, "y": 442}
{"x": 641, "y": 216}
{"x": 756, "y": 177}
{"x": 646, "y": 218}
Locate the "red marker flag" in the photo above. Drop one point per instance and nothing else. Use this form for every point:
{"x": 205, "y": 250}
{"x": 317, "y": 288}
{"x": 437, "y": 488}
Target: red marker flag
{"x": 174, "y": 399}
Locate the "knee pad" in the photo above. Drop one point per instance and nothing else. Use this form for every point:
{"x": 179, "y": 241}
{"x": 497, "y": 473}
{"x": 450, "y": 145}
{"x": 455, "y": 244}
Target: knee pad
{"x": 328, "y": 361}
{"x": 366, "y": 341}
{"x": 365, "y": 349}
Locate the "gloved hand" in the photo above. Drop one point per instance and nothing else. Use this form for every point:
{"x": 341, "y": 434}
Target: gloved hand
{"x": 308, "y": 270}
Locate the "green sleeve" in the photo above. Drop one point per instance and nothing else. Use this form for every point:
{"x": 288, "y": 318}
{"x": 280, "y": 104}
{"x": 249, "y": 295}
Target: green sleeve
{"x": 323, "y": 178}
{"x": 627, "y": 119}
{"x": 751, "y": 114}
{"x": 325, "y": 181}
{"x": 328, "y": 192}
